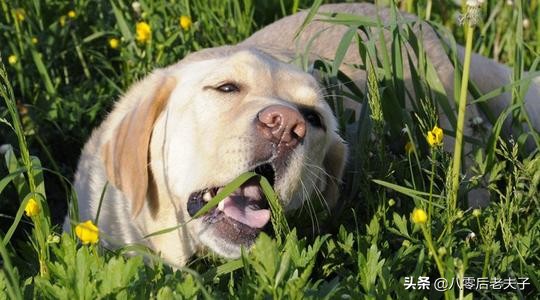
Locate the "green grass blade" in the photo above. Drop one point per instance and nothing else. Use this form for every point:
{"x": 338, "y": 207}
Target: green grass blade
{"x": 311, "y": 14}
{"x": 278, "y": 217}
{"x": 223, "y": 269}
{"x": 348, "y": 19}
{"x": 42, "y": 70}
{"x": 342, "y": 49}
{"x": 6, "y": 180}
{"x": 13, "y": 287}
{"x": 496, "y": 133}
{"x": 101, "y": 197}
{"x": 225, "y": 191}
{"x": 409, "y": 192}
{"x": 506, "y": 88}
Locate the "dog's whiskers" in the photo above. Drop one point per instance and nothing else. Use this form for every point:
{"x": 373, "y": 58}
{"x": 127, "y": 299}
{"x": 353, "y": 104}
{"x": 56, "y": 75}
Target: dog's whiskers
{"x": 316, "y": 179}
{"x": 311, "y": 210}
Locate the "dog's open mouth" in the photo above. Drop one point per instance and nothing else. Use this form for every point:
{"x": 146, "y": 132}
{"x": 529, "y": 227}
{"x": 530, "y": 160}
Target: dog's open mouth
{"x": 243, "y": 213}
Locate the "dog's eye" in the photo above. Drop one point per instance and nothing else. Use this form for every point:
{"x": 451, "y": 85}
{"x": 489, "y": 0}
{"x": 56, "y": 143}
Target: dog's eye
{"x": 228, "y": 88}
{"x": 312, "y": 117}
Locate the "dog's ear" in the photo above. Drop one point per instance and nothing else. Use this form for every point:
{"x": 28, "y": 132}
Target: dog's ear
{"x": 334, "y": 165}
{"x": 126, "y": 154}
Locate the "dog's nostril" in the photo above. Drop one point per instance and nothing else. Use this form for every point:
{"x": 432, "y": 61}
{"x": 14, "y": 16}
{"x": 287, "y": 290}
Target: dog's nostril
{"x": 282, "y": 124}
{"x": 271, "y": 119}
{"x": 299, "y": 130}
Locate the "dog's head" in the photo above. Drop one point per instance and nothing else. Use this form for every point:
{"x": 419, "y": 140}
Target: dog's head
{"x": 201, "y": 123}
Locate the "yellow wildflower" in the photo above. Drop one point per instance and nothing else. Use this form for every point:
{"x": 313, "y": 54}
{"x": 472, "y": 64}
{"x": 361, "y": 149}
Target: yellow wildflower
{"x": 476, "y": 212}
{"x": 185, "y": 22}
{"x": 87, "y": 232}
{"x": 72, "y": 14}
{"x": 32, "y": 208}
{"x": 34, "y": 40}
{"x": 409, "y": 148}
{"x": 441, "y": 251}
{"x": 12, "y": 59}
{"x": 20, "y": 14}
{"x": 419, "y": 216}
{"x": 144, "y": 32}
{"x": 62, "y": 20}
{"x": 114, "y": 43}
{"x": 435, "y": 136}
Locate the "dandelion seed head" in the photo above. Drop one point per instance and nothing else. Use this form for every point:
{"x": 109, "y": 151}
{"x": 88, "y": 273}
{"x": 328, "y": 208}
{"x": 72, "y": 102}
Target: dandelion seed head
{"x": 474, "y": 3}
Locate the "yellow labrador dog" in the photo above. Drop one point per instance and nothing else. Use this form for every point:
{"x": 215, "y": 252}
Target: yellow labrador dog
{"x": 182, "y": 133}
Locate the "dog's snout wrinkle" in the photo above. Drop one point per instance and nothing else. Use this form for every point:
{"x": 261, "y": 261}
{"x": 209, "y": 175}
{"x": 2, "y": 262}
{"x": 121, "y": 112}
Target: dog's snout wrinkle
{"x": 282, "y": 125}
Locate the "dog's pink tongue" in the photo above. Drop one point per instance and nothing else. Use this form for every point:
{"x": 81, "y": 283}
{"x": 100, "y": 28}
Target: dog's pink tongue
{"x": 237, "y": 207}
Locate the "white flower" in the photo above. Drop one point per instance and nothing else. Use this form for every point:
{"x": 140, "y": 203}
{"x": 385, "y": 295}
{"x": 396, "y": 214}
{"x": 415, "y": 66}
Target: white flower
{"x": 136, "y": 7}
{"x": 526, "y": 23}
{"x": 470, "y": 237}
{"x": 474, "y": 3}
{"x": 476, "y": 121}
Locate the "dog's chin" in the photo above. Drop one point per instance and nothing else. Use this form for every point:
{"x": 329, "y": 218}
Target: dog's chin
{"x": 227, "y": 237}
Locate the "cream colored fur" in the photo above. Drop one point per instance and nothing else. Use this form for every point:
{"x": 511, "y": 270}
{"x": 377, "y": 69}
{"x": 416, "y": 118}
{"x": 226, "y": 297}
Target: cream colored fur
{"x": 201, "y": 138}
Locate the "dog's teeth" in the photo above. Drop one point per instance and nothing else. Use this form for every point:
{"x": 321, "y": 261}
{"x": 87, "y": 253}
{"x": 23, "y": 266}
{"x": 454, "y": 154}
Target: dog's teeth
{"x": 207, "y": 196}
{"x": 221, "y": 205}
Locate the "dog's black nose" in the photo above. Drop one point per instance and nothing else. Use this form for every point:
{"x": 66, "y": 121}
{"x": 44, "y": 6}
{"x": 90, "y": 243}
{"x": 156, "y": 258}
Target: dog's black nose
{"x": 282, "y": 125}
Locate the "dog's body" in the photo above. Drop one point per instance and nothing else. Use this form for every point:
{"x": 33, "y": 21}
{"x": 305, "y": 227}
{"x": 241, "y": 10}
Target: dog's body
{"x": 185, "y": 131}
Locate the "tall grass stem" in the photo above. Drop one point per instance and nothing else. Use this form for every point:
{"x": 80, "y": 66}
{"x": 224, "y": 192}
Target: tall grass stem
{"x": 458, "y": 147}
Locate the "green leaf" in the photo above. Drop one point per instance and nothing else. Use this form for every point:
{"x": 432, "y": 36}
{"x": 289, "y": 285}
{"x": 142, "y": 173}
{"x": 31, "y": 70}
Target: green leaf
{"x": 401, "y": 224}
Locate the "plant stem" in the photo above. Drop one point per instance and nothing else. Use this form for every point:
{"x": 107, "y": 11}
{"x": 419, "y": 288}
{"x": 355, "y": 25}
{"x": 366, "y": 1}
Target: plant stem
{"x": 429, "y": 241}
{"x": 428, "y": 10}
{"x": 430, "y": 207}
{"x": 456, "y": 165}
{"x": 6, "y": 92}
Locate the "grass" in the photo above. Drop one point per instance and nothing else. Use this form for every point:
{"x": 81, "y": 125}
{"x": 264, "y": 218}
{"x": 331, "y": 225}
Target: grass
{"x": 59, "y": 76}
